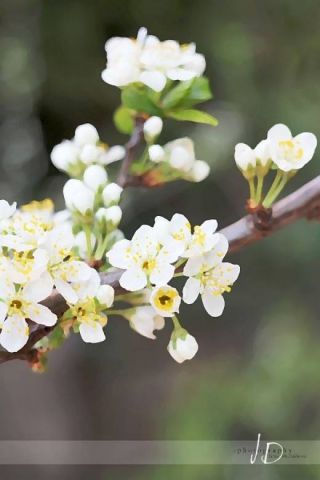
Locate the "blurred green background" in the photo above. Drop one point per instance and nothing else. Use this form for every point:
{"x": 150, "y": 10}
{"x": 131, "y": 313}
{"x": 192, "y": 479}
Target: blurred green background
{"x": 257, "y": 369}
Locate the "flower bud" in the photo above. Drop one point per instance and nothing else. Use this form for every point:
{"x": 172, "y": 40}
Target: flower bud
{"x": 182, "y": 347}
{"x": 262, "y": 152}
{"x": 113, "y": 155}
{"x": 181, "y": 154}
{"x": 244, "y": 156}
{"x": 64, "y": 155}
{"x": 90, "y": 154}
{"x": 112, "y": 214}
{"x": 111, "y": 193}
{"x": 78, "y": 196}
{"x": 95, "y": 176}
{"x": 105, "y": 295}
{"x": 86, "y": 133}
{"x": 152, "y": 128}
{"x": 199, "y": 171}
{"x": 156, "y": 153}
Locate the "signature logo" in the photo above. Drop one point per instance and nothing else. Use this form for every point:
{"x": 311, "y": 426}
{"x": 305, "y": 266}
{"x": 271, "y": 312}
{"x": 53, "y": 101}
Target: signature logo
{"x": 266, "y": 457}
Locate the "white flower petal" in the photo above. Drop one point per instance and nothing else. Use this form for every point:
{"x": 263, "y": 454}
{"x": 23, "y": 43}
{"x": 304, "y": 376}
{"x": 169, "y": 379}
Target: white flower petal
{"x": 133, "y": 279}
{"x": 162, "y": 273}
{"x": 120, "y": 254}
{"x": 41, "y": 314}
{"x": 279, "y": 132}
{"x": 193, "y": 266}
{"x": 66, "y": 290}
{"x": 308, "y": 142}
{"x": 214, "y": 304}
{"x": 153, "y": 79}
{"x": 92, "y": 333}
{"x": 191, "y": 290}
{"x": 14, "y": 334}
{"x": 39, "y": 289}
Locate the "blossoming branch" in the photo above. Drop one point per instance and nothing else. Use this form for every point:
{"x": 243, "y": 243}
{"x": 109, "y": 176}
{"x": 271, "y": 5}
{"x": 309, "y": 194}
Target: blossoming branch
{"x": 74, "y": 254}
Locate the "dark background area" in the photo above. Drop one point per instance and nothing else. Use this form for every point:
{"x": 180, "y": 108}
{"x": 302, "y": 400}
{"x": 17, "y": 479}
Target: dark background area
{"x": 257, "y": 369}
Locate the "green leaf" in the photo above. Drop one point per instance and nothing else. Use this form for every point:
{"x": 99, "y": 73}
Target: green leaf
{"x": 176, "y": 94}
{"x": 192, "y": 115}
{"x": 136, "y": 98}
{"x": 199, "y": 92}
{"x": 123, "y": 120}
{"x": 187, "y": 94}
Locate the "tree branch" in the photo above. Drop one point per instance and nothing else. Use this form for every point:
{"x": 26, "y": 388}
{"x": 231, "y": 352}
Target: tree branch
{"x": 124, "y": 177}
{"x": 304, "y": 203}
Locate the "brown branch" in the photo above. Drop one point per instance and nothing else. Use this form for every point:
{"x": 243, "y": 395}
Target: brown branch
{"x": 124, "y": 177}
{"x": 304, "y": 203}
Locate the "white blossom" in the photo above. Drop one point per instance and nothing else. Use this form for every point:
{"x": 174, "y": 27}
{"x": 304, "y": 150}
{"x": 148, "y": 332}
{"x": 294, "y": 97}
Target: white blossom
{"x": 165, "y": 300}
{"x": 17, "y": 305}
{"x": 150, "y": 61}
{"x": 290, "y": 153}
{"x": 85, "y": 149}
{"x": 143, "y": 260}
{"x": 210, "y": 277}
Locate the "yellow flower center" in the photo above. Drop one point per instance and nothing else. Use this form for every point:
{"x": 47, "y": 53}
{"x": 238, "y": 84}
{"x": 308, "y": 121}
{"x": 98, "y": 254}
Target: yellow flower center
{"x": 291, "y": 150}
{"x": 165, "y": 299}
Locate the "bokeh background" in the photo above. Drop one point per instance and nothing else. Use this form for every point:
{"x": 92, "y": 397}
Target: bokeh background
{"x": 257, "y": 369}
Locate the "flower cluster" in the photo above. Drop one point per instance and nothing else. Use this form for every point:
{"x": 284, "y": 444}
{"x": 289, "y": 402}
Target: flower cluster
{"x": 279, "y": 151}
{"x": 148, "y": 60}
{"x": 74, "y": 156}
{"x": 38, "y": 254}
{"x": 177, "y": 159}
{"x": 155, "y": 256}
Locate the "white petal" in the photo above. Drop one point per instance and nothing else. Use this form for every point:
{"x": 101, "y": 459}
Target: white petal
{"x": 92, "y": 333}
{"x": 39, "y": 289}
{"x": 181, "y": 74}
{"x": 209, "y": 226}
{"x": 154, "y": 80}
{"x": 214, "y": 304}
{"x": 193, "y": 266}
{"x": 215, "y": 256}
{"x": 279, "y": 132}
{"x": 120, "y": 254}
{"x": 66, "y": 290}
{"x": 41, "y": 314}
{"x": 191, "y": 290}
{"x": 308, "y": 142}
{"x": 133, "y": 279}
{"x": 227, "y": 273}
{"x": 105, "y": 295}
{"x": 14, "y": 334}
{"x": 187, "y": 347}
{"x": 162, "y": 273}
{"x": 161, "y": 228}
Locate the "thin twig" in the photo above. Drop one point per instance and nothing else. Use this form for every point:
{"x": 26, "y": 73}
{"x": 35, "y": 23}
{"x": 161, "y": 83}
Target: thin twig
{"x": 304, "y": 203}
{"x": 124, "y": 177}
